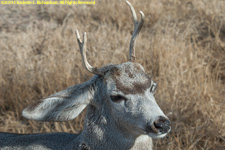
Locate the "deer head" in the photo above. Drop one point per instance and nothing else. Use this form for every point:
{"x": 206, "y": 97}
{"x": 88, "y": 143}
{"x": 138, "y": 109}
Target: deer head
{"x": 118, "y": 96}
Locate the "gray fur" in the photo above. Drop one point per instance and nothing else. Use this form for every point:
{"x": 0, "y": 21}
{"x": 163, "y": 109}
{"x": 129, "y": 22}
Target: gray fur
{"x": 109, "y": 125}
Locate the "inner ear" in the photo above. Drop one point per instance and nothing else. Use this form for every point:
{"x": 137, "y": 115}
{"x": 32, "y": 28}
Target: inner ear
{"x": 64, "y": 105}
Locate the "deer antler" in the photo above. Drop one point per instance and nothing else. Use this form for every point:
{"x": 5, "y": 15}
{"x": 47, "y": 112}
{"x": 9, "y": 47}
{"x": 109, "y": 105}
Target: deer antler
{"x": 82, "y": 46}
{"x": 137, "y": 28}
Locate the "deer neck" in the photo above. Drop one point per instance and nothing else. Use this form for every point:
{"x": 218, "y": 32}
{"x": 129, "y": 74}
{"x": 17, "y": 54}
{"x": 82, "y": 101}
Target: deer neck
{"x": 102, "y": 133}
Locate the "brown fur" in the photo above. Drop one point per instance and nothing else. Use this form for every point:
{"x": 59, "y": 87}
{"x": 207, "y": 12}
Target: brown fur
{"x": 137, "y": 86}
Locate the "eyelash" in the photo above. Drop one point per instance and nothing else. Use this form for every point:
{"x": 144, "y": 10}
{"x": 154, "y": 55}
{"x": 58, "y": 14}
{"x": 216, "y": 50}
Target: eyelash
{"x": 153, "y": 88}
{"x": 117, "y": 98}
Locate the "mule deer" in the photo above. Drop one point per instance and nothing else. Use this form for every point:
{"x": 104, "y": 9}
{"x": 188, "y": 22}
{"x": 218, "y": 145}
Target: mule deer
{"x": 122, "y": 113}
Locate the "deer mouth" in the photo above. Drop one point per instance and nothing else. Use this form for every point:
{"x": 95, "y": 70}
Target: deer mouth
{"x": 155, "y": 135}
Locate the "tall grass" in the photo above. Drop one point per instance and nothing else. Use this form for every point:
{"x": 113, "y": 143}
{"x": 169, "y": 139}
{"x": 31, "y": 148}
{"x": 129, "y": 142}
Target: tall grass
{"x": 182, "y": 46}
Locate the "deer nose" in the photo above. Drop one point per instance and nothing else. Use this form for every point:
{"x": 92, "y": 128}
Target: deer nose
{"x": 161, "y": 125}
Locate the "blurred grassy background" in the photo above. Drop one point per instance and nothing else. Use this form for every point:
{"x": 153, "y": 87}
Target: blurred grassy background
{"x": 182, "y": 46}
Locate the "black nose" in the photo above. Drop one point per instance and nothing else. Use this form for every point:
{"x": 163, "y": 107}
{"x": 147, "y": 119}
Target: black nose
{"x": 161, "y": 125}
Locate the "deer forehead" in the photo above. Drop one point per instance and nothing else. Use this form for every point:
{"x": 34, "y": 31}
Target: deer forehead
{"x": 130, "y": 78}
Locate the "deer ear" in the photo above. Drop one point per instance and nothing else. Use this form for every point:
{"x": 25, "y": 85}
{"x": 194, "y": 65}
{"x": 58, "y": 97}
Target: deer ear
{"x": 62, "y": 106}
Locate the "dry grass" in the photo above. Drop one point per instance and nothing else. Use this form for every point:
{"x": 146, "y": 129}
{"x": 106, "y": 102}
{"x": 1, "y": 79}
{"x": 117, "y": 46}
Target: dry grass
{"x": 182, "y": 45}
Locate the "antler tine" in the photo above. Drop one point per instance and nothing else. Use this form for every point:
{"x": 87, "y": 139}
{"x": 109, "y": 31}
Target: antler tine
{"x": 137, "y": 28}
{"x": 82, "y": 46}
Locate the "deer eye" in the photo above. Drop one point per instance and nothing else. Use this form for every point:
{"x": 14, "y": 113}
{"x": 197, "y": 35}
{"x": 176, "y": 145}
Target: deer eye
{"x": 153, "y": 88}
{"x": 117, "y": 98}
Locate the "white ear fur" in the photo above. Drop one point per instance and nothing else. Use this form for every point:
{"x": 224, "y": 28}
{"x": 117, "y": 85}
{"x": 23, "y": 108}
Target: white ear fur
{"x": 62, "y": 106}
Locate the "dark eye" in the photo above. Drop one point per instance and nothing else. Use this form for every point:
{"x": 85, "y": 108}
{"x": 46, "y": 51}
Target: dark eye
{"x": 117, "y": 98}
{"x": 153, "y": 88}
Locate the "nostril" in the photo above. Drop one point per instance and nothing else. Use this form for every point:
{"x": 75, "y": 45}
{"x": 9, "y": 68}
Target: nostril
{"x": 162, "y": 125}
